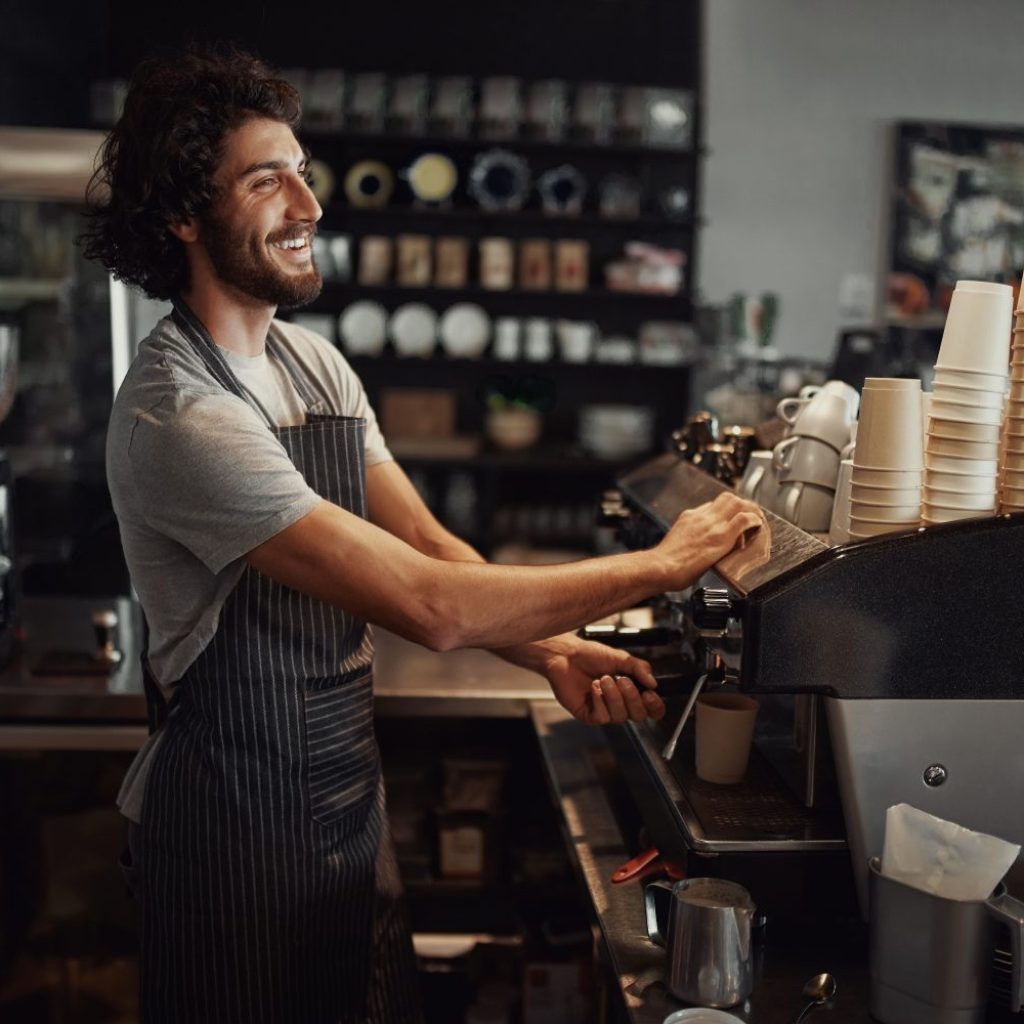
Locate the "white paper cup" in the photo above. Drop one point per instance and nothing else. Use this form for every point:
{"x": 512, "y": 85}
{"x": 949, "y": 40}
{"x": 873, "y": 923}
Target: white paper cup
{"x": 889, "y": 433}
{"x": 839, "y": 524}
{"x": 1013, "y": 479}
{"x": 885, "y": 497}
{"x": 806, "y": 460}
{"x": 938, "y": 498}
{"x": 971, "y": 381}
{"x": 958, "y": 430}
{"x": 962, "y": 483}
{"x": 944, "y": 410}
{"x": 725, "y": 730}
{"x": 949, "y": 393}
{"x": 864, "y": 531}
{"x": 951, "y": 447}
{"x": 891, "y": 478}
{"x": 951, "y": 464}
{"x": 877, "y": 514}
{"x": 933, "y": 514}
{"x": 977, "y": 332}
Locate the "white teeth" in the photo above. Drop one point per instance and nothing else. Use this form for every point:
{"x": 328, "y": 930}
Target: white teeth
{"x": 291, "y": 243}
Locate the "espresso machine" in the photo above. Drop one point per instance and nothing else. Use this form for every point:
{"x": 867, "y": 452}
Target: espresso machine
{"x": 887, "y": 671}
{"x": 8, "y": 576}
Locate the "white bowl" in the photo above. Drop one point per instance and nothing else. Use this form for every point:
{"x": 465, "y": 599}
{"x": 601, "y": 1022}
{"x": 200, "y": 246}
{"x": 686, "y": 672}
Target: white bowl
{"x": 363, "y": 328}
{"x": 413, "y": 329}
{"x": 465, "y": 329}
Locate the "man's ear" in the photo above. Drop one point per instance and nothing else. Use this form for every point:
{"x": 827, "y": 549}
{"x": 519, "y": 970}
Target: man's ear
{"x": 187, "y": 231}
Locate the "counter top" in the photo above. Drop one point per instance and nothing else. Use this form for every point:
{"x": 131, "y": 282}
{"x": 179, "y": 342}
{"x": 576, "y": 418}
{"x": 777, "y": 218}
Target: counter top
{"x": 781, "y": 963}
{"x": 409, "y": 679}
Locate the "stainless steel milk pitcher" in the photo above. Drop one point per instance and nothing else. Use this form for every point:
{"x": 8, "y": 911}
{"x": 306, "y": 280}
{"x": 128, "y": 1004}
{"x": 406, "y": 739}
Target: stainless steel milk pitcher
{"x": 706, "y": 931}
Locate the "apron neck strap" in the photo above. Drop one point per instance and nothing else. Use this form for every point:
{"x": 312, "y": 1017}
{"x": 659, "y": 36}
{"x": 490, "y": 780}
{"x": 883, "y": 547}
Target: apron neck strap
{"x": 202, "y": 341}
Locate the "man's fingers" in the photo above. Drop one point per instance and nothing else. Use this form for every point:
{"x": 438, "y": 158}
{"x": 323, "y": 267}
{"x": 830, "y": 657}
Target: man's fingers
{"x": 654, "y": 704}
{"x": 599, "y": 713}
{"x": 635, "y": 708}
{"x": 640, "y": 671}
{"x": 613, "y": 699}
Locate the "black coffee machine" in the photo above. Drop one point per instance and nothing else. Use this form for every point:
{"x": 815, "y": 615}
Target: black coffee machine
{"x": 8, "y": 573}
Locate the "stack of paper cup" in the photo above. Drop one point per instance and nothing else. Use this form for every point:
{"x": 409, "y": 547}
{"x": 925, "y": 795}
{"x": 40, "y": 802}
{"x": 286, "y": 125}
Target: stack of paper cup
{"x": 888, "y": 463}
{"x": 1011, "y": 451}
{"x": 962, "y": 445}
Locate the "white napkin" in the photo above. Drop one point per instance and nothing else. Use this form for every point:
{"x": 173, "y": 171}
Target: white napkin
{"x": 942, "y": 858}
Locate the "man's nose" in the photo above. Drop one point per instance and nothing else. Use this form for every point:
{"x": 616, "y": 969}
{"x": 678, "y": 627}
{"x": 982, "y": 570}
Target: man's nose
{"x": 303, "y": 204}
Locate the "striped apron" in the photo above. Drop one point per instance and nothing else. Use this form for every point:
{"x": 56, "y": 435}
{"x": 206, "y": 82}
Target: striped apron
{"x": 269, "y": 886}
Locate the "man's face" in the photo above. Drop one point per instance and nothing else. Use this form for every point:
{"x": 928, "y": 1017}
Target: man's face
{"x": 259, "y": 230}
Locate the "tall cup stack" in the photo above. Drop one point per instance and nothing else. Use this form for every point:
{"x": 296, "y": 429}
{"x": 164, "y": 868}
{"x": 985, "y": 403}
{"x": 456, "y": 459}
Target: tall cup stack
{"x": 1011, "y": 454}
{"x": 961, "y": 461}
{"x": 885, "y": 484}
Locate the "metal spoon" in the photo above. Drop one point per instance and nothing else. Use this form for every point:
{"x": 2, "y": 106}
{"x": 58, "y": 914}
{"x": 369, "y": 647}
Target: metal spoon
{"x": 819, "y": 989}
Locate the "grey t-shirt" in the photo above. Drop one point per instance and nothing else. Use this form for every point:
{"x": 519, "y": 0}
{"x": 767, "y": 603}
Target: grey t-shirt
{"x": 198, "y": 479}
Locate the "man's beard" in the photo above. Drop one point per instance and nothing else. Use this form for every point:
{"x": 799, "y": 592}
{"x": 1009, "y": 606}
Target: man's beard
{"x": 244, "y": 263}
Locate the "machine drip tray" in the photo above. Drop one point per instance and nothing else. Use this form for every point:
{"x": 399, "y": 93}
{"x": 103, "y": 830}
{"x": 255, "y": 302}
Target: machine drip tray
{"x": 758, "y": 814}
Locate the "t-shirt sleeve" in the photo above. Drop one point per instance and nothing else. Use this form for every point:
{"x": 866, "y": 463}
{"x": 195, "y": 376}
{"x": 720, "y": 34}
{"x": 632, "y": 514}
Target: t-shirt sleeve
{"x": 211, "y": 476}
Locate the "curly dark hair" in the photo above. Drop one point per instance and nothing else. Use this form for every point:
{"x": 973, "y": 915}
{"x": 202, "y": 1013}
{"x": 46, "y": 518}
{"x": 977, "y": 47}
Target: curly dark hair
{"x": 157, "y": 164}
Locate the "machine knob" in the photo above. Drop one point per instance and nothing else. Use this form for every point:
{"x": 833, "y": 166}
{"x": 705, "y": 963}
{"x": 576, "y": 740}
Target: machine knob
{"x": 712, "y": 608}
{"x": 935, "y": 775}
{"x": 104, "y": 624}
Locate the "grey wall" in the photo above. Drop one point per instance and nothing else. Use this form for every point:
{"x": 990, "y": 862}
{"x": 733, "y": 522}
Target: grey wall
{"x": 799, "y": 94}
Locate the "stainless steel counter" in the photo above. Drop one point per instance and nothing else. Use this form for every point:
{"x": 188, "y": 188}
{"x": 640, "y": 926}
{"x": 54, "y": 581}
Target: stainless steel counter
{"x": 108, "y": 711}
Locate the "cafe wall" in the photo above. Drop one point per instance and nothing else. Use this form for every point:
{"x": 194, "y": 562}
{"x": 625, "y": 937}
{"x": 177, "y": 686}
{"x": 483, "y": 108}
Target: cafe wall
{"x": 799, "y": 100}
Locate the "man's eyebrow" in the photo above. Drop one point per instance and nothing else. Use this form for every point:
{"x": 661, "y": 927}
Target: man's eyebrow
{"x": 269, "y": 165}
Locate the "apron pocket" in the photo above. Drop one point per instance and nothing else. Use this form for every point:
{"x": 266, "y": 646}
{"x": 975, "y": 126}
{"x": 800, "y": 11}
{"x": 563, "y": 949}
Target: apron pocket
{"x": 342, "y": 762}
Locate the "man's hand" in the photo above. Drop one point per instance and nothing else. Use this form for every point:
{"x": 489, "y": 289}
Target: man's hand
{"x": 702, "y": 536}
{"x": 598, "y": 684}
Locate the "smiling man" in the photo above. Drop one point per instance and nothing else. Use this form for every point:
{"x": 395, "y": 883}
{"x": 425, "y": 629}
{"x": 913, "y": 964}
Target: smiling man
{"x": 265, "y": 526}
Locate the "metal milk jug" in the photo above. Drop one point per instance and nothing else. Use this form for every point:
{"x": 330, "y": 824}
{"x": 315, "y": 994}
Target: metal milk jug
{"x": 704, "y": 923}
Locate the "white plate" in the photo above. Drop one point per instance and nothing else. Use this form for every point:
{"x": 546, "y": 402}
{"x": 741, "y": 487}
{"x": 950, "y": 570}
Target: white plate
{"x": 363, "y": 328}
{"x": 701, "y": 1015}
{"x": 465, "y": 329}
{"x": 413, "y": 329}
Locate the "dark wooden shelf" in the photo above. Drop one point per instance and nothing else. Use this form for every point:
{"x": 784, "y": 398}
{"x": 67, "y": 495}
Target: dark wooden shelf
{"x": 389, "y": 359}
{"x": 457, "y": 215}
{"x": 335, "y": 297}
{"x": 469, "y": 143}
{"x": 543, "y": 458}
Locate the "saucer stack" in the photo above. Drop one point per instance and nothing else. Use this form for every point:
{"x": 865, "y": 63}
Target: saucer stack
{"x": 1011, "y": 454}
{"x": 962, "y": 444}
{"x": 888, "y": 466}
